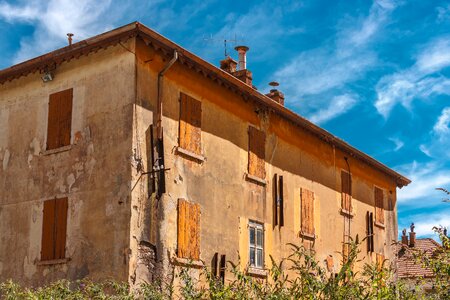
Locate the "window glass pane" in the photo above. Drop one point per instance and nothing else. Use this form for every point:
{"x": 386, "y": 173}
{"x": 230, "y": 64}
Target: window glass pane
{"x": 252, "y": 236}
{"x": 259, "y": 237}
{"x": 259, "y": 258}
{"x": 252, "y": 256}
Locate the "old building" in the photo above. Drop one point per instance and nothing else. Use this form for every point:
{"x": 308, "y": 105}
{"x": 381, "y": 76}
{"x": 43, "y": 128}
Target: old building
{"x": 410, "y": 269}
{"x": 125, "y": 155}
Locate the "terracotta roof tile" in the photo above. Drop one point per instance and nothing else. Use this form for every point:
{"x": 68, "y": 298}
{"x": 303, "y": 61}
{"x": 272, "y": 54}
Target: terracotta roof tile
{"x": 407, "y": 266}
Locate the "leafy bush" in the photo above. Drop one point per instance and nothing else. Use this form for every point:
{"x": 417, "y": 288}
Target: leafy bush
{"x": 299, "y": 276}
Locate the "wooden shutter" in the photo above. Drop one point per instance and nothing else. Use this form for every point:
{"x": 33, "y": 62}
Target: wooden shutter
{"x": 188, "y": 230}
{"x": 222, "y": 268}
{"x": 379, "y": 209}
{"x": 54, "y": 228}
{"x": 48, "y": 230}
{"x": 61, "y": 206}
{"x": 190, "y": 135}
{"x": 275, "y": 200}
{"x": 59, "y": 125}
{"x": 256, "y": 152}
{"x": 369, "y": 229}
{"x": 380, "y": 260}
{"x": 281, "y": 201}
{"x": 307, "y": 211}
{"x": 346, "y": 188}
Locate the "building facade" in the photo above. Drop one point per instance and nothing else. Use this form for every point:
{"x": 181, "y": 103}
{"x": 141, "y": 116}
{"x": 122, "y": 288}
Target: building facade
{"x": 125, "y": 156}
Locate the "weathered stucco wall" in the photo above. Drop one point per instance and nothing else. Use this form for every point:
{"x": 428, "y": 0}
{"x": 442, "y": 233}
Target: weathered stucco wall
{"x": 228, "y": 200}
{"x": 94, "y": 174}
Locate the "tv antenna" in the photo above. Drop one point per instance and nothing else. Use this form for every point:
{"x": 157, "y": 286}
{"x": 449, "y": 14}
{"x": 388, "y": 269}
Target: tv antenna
{"x": 225, "y": 41}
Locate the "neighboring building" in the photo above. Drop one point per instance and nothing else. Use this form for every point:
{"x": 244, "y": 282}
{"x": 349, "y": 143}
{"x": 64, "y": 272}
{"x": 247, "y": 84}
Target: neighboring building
{"x": 409, "y": 269}
{"x": 125, "y": 154}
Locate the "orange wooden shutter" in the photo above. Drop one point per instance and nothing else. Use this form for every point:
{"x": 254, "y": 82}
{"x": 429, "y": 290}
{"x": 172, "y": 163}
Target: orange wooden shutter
{"x": 65, "y": 117}
{"x": 59, "y": 119}
{"x": 61, "y": 206}
{"x": 188, "y": 230}
{"x": 48, "y": 232}
{"x": 345, "y": 251}
{"x": 307, "y": 213}
{"x": 346, "y": 187}
{"x": 380, "y": 260}
{"x": 53, "y": 122}
{"x": 190, "y": 133}
{"x": 379, "y": 209}
{"x": 257, "y": 152}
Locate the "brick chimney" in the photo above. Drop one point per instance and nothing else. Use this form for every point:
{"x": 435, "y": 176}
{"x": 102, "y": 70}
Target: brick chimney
{"x": 243, "y": 74}
{"x": 228, "y": 65}
{"x": 275, "y": 94}
{"x": 404, "y": 237}
{"x": 412, "y": 236}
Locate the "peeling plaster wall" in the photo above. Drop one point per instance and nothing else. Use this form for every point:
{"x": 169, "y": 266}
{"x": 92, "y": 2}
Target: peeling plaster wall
{"x": 95, "y": 173}
{"x": 228, "y": 200}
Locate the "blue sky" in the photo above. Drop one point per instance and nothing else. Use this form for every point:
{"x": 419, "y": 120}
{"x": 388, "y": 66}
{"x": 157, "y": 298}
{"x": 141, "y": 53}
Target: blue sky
{"x": 374, "y": 73}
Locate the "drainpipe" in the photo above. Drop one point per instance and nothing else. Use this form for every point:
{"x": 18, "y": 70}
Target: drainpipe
{"x": 160, "y": 89}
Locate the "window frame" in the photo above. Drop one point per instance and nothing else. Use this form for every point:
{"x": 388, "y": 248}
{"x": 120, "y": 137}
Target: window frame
{"x": 256, "y": 227}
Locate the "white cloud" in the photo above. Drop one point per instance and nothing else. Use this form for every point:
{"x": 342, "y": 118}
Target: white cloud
{"x": 426, "y": 177}
{"x": 420, "y": 81}
{"x": 425, "y": 222}
{"x": 343, "y": 59}
{"x": 397, "y": 142}
{"x": 443, "y": 13}
{"x": 338, "y": 106}
{"x": 53, "y": 20}
{"x": 441, "y": 126}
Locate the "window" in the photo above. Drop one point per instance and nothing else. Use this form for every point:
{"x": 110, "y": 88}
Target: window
{"x": 379, "y": 207}
{"x": 278, "y": 211}
{"x": 54, "y": 228}
{"x": 190, "y": 135}
{"x": 188, "y": 230}
{"x": 307, "y": 213}
{"x": 256, "y": 152}
{"x": 59, "y": 119}
{"x": 346, "y": 188}
{"x": 369, "y": 228}
{"x": 256, "y": 233}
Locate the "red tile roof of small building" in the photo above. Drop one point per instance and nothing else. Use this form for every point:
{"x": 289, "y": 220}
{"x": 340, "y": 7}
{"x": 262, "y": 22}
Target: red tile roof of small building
{"x": 407, "y": 266}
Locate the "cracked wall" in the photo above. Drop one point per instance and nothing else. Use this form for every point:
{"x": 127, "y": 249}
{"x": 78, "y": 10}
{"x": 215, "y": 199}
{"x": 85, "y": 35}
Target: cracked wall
{"x": 94, "y": 172}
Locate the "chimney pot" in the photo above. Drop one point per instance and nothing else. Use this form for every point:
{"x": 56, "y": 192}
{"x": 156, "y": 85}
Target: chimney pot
{"x": 404, "y": 237}
{"x": 69, "y": 38}
{"x": 275, "y": 94}
{"x": 412, "y": 239}
{"x": 242, "y": 52}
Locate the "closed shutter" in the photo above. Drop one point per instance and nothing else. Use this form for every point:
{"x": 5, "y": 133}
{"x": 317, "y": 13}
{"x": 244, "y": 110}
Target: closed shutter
{"x": 48, "y": 230}
{"x": 54, "y": 228}
{"x": 379, "y": 208}
{"x": 346, "y": 188}
{"x": 307, "y": 211}
{"x": 345, "y": 251}
{"x": 59, "y": 125}
{"x": 190, "y": 135}
{"x": 61, "y": 206}
{"x": 256, "y": 152}
{"x": 188, "y": 230}
{"x": 380, "y": 261}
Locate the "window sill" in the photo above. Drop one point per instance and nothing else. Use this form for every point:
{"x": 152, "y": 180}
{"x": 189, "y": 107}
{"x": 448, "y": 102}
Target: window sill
{"x": 56, "y": 150}
{"x": 347, "y": 213}
{"x": 52, "y": 262}
{"x": 381, "y": 225}
{"x": 310, "y": 236}
{"x": 255, "y": 179}
{"x": 186, "y": 262}
{"x": 256, "y": 272}
{"x": 190, "y": 154}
